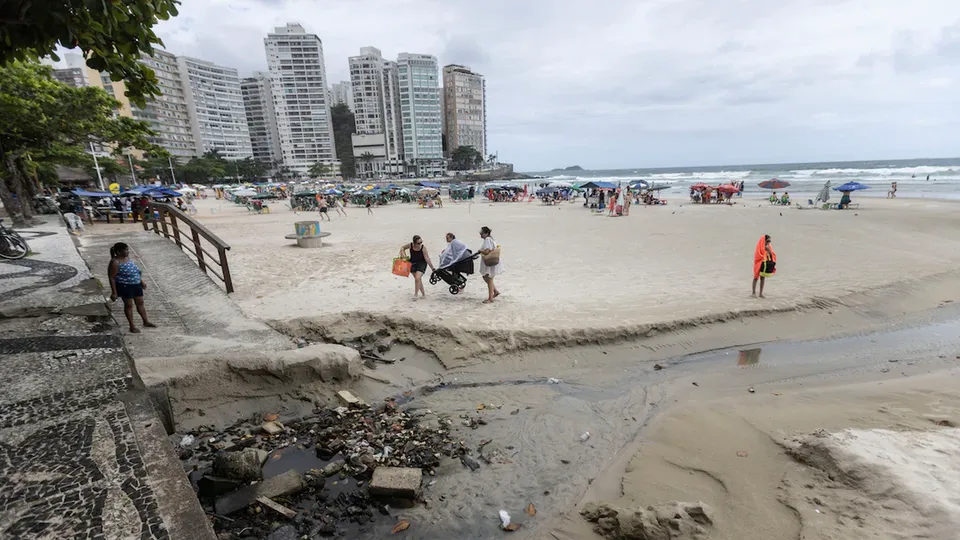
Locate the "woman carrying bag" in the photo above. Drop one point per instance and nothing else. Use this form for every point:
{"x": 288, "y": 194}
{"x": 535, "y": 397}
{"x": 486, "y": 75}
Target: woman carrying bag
{"x": 490, "y": 265}
{"x": 419, "y": 261}
{"x": 764, "y": 263}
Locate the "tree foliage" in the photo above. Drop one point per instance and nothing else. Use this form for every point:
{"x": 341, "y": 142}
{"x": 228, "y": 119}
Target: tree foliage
{"x": 344, "y": 126}
{"x": 112, "y": 34}
{"x": 465, "y": 158}
{"x": 320, "y": 169}
{"x": 44, "y": 122}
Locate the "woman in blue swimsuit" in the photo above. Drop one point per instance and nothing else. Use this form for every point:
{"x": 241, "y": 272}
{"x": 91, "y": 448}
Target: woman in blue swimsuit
{"x": 127, "y": 283}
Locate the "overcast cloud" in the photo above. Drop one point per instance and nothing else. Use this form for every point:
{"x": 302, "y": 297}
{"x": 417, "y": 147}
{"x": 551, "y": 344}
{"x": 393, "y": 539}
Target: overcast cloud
{"x": 648, "y": 83}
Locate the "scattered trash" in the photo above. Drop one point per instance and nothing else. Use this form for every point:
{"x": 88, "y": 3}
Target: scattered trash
{"x": 657, "y": 367}
{"x": 696, "y": 384}
{"x": 531, "y": 510}
{"x": 277, "y": 507}
{"x": 778, "y": 393}
{"x": 187, "y": 440}
{"x": 512, "y": 527}
{"x": 585, "y": 436}
{"x": 270, "y": 417}
{"x": 885, "y": 370}
{"x": 817, "y": 510}
{"x": 481, "y": 406}
{"x": 469, "y": 462}
{"x": 401, "y": 526}
{"x": 515, "y": 412}
{"x": 894, "y": 360}
{"x": 553, "y": 380}
{"x": 751, "y": 390}
{"x": 741, "y": 453}
{"x": 504, "y": 519}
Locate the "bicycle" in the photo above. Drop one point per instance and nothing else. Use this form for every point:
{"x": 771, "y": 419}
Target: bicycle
{"x": 12, "y": 245}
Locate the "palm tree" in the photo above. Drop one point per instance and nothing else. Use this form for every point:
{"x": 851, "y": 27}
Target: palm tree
{"x": 366, "y": 158}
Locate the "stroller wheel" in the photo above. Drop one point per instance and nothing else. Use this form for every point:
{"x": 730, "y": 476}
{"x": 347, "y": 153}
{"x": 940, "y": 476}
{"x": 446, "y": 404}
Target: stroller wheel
{"x": 454, "y": 289}
{"x": 434, "y": 279}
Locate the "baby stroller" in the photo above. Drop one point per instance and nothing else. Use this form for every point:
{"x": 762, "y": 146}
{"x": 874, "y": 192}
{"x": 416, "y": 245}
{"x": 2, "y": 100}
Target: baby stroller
{"x": 455, "y": 274}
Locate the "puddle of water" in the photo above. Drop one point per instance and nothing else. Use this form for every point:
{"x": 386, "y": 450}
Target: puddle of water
{"x": 749, "y": 357}
{"x": 300, "y": 459}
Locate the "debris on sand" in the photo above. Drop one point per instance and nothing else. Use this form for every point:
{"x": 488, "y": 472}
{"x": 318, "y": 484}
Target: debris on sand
{"x": 353, "y": 455}
{"x": 674, "y": 521}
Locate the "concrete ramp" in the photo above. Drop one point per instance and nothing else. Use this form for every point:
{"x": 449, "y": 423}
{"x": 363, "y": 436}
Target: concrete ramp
{"x": 193, "y": 313}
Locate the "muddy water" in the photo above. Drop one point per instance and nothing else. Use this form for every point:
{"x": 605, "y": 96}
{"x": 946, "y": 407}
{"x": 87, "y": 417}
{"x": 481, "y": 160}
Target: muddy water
{"x": 535, "y": 426}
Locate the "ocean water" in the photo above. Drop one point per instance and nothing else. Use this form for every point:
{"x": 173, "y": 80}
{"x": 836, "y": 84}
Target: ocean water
{"x": 911, "y": 176}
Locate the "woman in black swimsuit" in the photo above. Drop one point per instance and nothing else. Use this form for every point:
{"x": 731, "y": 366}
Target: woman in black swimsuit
{"x": 419, "y": 261}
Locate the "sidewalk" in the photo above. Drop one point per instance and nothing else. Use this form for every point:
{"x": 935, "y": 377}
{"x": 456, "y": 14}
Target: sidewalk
{"x": 83, "y": 453}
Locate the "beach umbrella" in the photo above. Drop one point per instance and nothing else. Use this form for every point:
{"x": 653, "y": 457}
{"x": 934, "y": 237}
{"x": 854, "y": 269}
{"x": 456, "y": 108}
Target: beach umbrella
{"x": 728, "y": 188}
{"x": 700, "y": 187}
{"x": 824, "y": 194}
{"x": 851, "y": 186}
{"x": 244, "y": 192}
{"x": 559, "y": 184}
{"x": 640, "y": 184}
{"x": 774, "y": 183}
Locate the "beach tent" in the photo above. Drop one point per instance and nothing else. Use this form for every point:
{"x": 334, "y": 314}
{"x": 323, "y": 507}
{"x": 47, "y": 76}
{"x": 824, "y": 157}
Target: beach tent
{"x": 245, "y": 192}
{"x": 599, "y": 185}
{"x": 559, "y": 184}
{"x": 428, "y": 185}
{"x": 91, "y": 194}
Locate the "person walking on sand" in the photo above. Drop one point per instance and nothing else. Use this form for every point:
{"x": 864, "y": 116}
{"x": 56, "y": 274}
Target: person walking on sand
{"x": 489, "y": 268}
{"x": 764, "y": 263}
{"x": 338, "y": 206}
{"x": 127, "y": 283}
{"x": 419, "y": 261}
{"x": 369, "y": 206}
{"x": 323, "y": 207}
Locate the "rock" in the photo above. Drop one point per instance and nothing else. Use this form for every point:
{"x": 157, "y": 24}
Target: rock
{"x": 243, "y": 466}
{"x": 396, "y": 482}
{"x": 287, "y": 532}
{"x": 283, "y": 484}
{"x": 348, "y": 399}
{"x": 593, "y": 511}
{"x": 210, "y": 486}
{"x": 271, "y": 428}
{"x": 469, "y": 462}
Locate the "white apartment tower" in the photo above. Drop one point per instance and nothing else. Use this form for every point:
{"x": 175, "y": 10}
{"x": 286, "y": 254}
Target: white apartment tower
{"x": 421, "y": 114}
{"x": 298, "y": 82}
{"x": 217, "y": 116}
{"x": 169, "y": 113}
{"x": 341, "y": 93}
{"x": 375, "y": 100}
{"x": 465, "y": 109}
{"x": 261, "y": 118}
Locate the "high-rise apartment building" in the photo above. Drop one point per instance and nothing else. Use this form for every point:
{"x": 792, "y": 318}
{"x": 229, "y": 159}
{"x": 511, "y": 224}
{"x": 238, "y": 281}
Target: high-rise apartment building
{"x": 169, "y": 113}
{"x": 376, "y": 144}
{"x": 465, "y": 109}
{"x": 298, "y": 82}
{"x": 421, "y": 114}
{"x": 261, "y": 118}
{"x": 341, "y": 93}
{"x": 215, "y": 107}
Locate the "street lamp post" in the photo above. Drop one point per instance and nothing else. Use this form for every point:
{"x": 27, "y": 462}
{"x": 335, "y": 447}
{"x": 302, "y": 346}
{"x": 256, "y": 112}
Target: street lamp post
{"x": 96, "y": 166}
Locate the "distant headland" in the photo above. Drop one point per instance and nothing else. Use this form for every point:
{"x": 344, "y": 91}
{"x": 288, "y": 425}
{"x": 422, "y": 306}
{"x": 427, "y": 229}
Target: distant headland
{"x": 570, "y": 168}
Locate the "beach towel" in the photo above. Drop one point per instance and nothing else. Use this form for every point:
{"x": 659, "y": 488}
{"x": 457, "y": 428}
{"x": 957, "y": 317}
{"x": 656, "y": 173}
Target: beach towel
{"x": 455, "y": 251}
{"x": 759, "y": 256}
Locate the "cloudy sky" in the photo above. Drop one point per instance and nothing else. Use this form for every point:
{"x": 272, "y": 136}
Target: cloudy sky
{"x": 649, "y": 83}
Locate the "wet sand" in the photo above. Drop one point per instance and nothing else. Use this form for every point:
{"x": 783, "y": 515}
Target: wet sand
{"x": 571, "y": 275}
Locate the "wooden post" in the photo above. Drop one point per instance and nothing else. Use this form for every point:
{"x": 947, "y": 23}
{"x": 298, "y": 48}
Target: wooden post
{"x": 163, "y": 222}
{"x": 227, "y": 280}
{"x": 151, "y": 210}
{"x": 176, "y": 230}
{"x": 196, "y": 246}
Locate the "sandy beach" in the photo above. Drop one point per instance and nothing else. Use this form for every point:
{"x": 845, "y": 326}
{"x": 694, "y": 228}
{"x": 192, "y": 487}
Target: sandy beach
{"x": 841, "y": 424}
{"x": 571, "y": 275}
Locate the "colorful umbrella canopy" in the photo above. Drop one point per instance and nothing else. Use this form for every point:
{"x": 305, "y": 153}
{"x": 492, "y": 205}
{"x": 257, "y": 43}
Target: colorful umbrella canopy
{"x": 700, "y": 187}
{"x": 851, "y": 186}
{"x": 728, "y": 188}
{"x": 774, "y": 183}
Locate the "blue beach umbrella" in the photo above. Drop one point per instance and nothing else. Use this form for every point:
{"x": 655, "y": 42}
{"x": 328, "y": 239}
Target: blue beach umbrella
{"x": 851, "y": 186}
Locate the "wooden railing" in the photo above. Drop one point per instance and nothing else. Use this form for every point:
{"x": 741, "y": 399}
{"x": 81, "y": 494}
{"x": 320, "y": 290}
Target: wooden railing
{"x": 187, "y": 232}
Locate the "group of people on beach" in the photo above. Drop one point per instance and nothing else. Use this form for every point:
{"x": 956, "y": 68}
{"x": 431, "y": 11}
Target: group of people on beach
{"x": 455, "y": 252}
